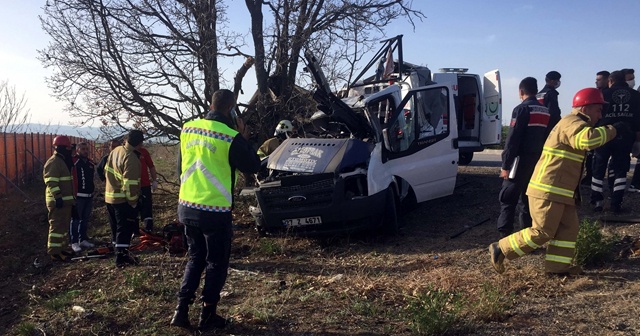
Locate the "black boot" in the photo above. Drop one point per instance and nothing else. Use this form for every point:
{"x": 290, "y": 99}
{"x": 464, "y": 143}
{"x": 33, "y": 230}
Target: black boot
{"x": 209, "y": 319}
{"x": 181, "y": 317}
{"x": 124, "y": 258}
{"x": 148, "y": 225}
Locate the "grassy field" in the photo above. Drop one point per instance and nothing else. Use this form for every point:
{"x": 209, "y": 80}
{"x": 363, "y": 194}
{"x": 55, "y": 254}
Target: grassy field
{"x": 420, "y": 282}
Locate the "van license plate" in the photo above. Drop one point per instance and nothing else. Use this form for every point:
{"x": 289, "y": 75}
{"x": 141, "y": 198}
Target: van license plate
{"x": 302, "y": 221}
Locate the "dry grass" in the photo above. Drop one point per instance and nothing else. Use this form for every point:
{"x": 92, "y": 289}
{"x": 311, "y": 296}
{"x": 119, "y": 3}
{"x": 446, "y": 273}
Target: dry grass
{"x": 418, "y": 282}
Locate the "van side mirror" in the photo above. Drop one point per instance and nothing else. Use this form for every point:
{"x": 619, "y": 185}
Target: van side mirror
{"x": 392, "y": 140}
{"x": 385, "y": 138}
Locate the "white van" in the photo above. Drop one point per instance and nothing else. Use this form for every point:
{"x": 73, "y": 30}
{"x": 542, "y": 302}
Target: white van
{"x": 385, "y": 146}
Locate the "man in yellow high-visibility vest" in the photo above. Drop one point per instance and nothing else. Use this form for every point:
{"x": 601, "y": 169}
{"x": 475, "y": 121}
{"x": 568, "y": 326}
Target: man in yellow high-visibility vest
{"x": 211, "y": 149}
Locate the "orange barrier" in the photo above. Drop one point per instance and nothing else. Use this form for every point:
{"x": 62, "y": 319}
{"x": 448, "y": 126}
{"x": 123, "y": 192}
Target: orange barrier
{"x": 22, "y": 156}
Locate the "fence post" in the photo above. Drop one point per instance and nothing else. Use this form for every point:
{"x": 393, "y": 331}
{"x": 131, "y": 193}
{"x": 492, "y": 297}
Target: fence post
{"x": 27, "y": 176}
{"x": 33, "y": 163}
{"x": 15, "y": 157}
{"x": 6, "y": 160}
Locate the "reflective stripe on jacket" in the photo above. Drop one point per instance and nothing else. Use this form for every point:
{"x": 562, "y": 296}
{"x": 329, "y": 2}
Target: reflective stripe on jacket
{"x": 557, "y": 173}
{"x": 122, "y": 173}
{"x": 206, "y": 175}
{"x": 58, "y": 181}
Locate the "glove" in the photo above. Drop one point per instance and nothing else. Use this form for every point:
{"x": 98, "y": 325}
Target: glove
{"x": 622, "y": 128}
{"x": 154, "y": 186}
{"x": 74, "y": 212}
{"x": 59, "y": 203}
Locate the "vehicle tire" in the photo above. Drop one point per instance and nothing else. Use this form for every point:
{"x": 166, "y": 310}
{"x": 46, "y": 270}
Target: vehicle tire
{"x": 464, "y": 158}
{"x": 390, "y": 223}
{"x": 260, "y": 228}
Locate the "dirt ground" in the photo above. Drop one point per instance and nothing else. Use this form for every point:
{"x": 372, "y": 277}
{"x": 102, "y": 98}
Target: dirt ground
{"x": 348, "y": 285}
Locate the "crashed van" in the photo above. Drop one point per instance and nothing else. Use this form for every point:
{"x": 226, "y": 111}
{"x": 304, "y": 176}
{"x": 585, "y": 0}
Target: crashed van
{"x": 391, "y": 141}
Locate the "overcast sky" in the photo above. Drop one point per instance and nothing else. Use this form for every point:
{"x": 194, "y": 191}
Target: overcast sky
{"x": 521, "y": 38}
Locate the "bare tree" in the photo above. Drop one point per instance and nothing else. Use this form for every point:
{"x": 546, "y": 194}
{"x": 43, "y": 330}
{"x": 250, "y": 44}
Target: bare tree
{"x": 13, "y": 112}
{"x": 339, "y": 32}
{"x": 153, "y": 64}
{"x": 150, "y": 64}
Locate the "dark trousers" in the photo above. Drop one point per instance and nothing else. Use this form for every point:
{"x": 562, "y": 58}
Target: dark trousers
{"x": 513, "y": 196}
{"x": 79, "y": 224}
{"x": 126, "y": 219}
{"x": 146, "y": 207}
{"x": 618, "y": 151}
{"x": 112, "y": 222}
{"x": 588, "y": 166}
{"x": 635, "y": 180}
{"x": 209, "y": 252}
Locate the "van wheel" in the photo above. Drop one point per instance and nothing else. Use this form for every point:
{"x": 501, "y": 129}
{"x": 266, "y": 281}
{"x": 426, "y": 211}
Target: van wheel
{"x": 390, "y": 223}
{"x": 260, "y": 227}
{"x": 465, "y": 158}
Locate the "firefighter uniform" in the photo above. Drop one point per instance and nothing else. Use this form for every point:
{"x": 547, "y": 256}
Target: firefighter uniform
{"x": 548, "y": 97}
{"x": 268, "y": 147}
{"x": 624, "y": 106}
{"x": 122, "y": 189}
{"x": 527, "y": 133}
{"x": 553, "y": 192}
{"x": 59, "y": 185}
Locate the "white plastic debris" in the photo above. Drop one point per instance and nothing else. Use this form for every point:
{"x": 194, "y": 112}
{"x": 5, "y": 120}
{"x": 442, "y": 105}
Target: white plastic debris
{"x": 78, "y": 309}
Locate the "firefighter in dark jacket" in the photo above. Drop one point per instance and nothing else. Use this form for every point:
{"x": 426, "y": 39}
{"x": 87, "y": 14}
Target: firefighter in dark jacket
{"x": 59, "y": 197}
{"x": 527, "y": 133}
{"x": 554, "y": 191}
{"x": 211, "y": 150}
{"x": 548, "y": 97}
{"x": 624, "y": 106}
{"x": 83, "y": 172}
{"x": 122, "y": 189}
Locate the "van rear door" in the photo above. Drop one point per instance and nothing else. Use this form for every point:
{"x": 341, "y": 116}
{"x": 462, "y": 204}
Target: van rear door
{"x": 490, "y": 121}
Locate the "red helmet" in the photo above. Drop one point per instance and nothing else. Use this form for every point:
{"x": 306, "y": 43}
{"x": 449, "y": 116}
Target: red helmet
{"x": 588, "y": 96}
{"x": 62, "y": 140}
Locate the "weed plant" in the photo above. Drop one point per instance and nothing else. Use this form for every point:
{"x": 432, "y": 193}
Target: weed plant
{"x": 491, "y": 304}
{"x": 435, "y": 312}
{"x": 593, "y": 246}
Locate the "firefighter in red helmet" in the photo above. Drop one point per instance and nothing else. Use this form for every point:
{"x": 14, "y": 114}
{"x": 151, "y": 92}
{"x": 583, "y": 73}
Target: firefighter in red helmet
{"x": 553, "y": 189}
{"x": 59, "y": 197}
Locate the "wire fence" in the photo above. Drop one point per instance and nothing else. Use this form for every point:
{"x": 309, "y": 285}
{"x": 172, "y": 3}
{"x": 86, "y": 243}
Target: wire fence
{"x": 22, "y": 156}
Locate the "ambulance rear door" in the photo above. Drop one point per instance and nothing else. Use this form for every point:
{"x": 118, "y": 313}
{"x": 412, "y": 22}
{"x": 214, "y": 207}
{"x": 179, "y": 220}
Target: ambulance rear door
{"x": 490, "y": 120}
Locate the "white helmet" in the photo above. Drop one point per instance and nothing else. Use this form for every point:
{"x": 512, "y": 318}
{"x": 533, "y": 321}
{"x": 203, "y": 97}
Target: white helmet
{"x": 284, "y": 126}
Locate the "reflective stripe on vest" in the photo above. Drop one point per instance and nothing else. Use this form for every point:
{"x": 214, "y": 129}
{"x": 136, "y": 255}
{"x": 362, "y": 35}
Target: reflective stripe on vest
{"x": 64, "y": 198}
{"x": 124, "y": 184}
{"x": 563, "y": 154}
{"x": 584, "y": 143}
{"x": 204, "y": 148}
